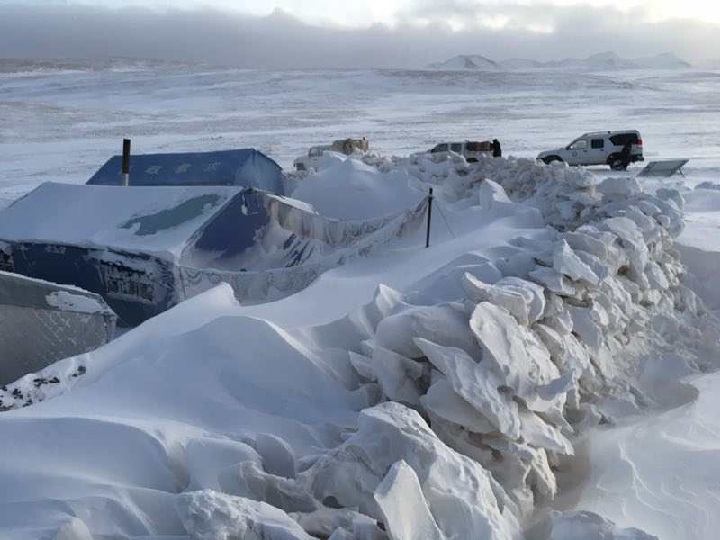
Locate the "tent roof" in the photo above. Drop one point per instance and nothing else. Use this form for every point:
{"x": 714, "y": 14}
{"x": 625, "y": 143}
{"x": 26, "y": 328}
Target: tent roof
{"x": 246, "y": 167}
{"x": 160, "y": 220}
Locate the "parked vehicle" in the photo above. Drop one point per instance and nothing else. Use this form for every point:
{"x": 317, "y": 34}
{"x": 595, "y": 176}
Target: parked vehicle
{"x": 618, "y": 149}
{"x": 343, "y": 146}
{"x": 470, "y": 150}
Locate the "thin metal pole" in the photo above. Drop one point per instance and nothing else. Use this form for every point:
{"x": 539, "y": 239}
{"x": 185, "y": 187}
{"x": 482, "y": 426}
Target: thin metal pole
{"x": 430, "y": 200}
{"x": 126, "y": 162}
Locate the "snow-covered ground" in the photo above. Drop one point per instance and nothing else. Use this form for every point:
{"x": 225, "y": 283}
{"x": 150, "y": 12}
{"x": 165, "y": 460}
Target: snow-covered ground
{"x": 63, "y": 126}
{"x": 540, "y": 370}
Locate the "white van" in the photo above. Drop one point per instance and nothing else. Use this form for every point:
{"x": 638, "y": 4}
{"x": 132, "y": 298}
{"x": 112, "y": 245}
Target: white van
{"x": 600, "y": 148}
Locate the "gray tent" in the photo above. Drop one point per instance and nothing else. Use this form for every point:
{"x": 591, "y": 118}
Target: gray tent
{"x": 41, "y": 323}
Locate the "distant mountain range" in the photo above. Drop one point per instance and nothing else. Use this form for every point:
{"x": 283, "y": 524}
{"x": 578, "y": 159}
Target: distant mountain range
{"x": 601, "y": 61}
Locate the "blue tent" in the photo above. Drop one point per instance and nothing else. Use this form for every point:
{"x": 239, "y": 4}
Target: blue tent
{"x": 246, "y": 167}
{"x": 128, "y": 243}
{"x": 146, "y": 249}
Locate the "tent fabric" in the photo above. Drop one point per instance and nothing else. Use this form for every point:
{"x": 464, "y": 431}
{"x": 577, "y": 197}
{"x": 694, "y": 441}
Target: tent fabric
{"x": 157, "y": 220}
{"x": 146, "y": 249}
{"x": 41, "y": 323}
{"x": 244, "y": 167}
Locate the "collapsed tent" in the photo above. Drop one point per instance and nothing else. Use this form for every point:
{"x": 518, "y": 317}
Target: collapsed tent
{"x": 146, "y": 249}
{"x": 245, "y": 167}
{"x": 41, "y": 323}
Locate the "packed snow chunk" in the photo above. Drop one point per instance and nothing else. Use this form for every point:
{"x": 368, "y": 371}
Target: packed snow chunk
{"x": 277, "y": 455}
{"x": 632, "y": 239}
{"x": 517, "y": 354}
{"x": 477, "y": 384}
{"x": 592, "y": 241}
{"x": 211, "y": 463}
{"x": 445, "y": 284}
{"x": 566, "y": 262}
{"x": 351, "y": 190}
{"x": 492, "y": 195}
{"x": 325, "y": 522}
{"x": 208, "y": 515}
{"x": 540, "y": 434}
{"x": 524, "y": 299}
{"x": 445, "y": 324}
{"x": 442, "y": 401}
{"x": 405, "y": 511}
{"x": 567, "y": 352}
{"x": 462, "y": 496}
{"x": 396, "y": 374}
{"x": 524, "y": 471}
{"x": 586, "y": 327}
{"x": 553, "y": 281}
{"x": 585, "y": 525}
{"x": 280, "y": 492}
{"x": 619, "y": 187}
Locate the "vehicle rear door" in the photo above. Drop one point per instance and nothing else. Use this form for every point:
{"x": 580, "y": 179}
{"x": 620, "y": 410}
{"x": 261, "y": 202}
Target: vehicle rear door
{"x": 621, "y": 139}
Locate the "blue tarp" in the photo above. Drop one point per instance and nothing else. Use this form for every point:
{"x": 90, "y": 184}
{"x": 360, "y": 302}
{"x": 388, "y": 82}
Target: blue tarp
{"x": 246, "y": 167}
{"x": 127, "y": 243}
{"x": 146, "y": 249}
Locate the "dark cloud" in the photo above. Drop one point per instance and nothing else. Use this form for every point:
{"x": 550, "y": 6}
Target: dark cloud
{"x": 281, "y": 41}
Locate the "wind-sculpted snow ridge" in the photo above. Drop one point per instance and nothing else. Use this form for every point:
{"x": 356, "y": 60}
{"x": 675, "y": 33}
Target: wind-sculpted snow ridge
{"x": 440, "y": 412}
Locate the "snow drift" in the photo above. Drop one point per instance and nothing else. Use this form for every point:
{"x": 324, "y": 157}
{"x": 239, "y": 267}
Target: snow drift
{"x": 444, "y": 410}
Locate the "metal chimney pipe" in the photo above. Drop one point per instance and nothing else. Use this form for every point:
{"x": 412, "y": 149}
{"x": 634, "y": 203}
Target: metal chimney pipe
{"x": 126, "y": 162}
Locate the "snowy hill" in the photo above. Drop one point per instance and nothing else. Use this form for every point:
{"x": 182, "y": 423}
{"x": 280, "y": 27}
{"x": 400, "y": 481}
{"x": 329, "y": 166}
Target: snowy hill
{"x": 602, "y": 61}
{"x": 469, "y": 62}
{"x": 662, "y": 61}
{"x": 522, "y": 63}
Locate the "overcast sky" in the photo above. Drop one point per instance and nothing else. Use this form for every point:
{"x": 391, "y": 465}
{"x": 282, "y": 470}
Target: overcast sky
{"x": 358, "y": 33}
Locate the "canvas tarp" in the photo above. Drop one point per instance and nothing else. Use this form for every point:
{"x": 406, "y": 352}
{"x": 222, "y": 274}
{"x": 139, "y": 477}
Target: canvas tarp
{"x": 41, "y": 323}
{"x": 244, "y": 167}
{"x": 146, "y": 249}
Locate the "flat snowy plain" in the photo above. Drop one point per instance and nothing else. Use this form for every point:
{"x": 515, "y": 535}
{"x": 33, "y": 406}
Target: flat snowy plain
{"x": 263, "y": 402}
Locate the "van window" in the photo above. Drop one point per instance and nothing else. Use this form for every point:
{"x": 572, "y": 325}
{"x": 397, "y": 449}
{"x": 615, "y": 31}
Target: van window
{"x": 597, "y": 144}
{"x": 442, "y": 147}
{"x": 579, "y": 145}
{"x": 621, "y": 139}
{"x": 456, "y": 147}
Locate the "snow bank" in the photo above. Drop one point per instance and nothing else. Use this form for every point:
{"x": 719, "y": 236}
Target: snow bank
{"x": 446, "y": 414}
{"x": 351, "y": 190}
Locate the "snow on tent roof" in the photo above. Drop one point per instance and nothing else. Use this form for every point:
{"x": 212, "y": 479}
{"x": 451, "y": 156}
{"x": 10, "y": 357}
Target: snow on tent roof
{"x": 159, "y": 220}
{"x": 245, "y": 167}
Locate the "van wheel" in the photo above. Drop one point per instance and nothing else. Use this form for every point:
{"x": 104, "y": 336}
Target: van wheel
{"x": 549, "y": 159}
{"x": 617, "y": 163}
